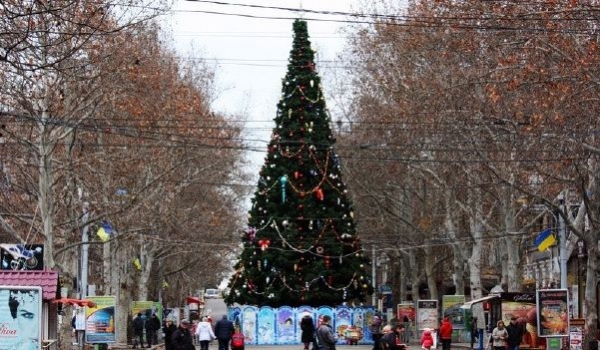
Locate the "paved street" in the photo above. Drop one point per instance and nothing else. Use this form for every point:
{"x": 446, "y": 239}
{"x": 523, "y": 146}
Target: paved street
{"x": 461, "y": 346}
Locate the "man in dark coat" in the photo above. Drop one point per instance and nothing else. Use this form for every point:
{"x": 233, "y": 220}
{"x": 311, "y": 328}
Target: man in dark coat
{"x": 169, "y": 328}
{"x": 515, "y": 334}
{"x": 138, "y": 331}
{"x": 152, "y": 327}
{"x": 223, "y": 331}
{"x": 182, "y": 337}
{"x": 308, "y": 331}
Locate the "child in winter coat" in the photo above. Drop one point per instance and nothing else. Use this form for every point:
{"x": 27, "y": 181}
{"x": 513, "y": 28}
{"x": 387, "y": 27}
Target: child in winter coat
{"x": 426, "y": 339}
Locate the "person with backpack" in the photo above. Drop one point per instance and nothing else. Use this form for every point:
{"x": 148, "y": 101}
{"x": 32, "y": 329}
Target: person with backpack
{"x": 138, "y": 331}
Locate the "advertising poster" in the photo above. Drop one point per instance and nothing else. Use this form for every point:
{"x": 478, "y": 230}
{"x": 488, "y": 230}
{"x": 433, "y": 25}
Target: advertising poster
{"x": 20, "y": 317}
{"x": 406, "y": 311}
{"x": 427, "y": 314}
{"x": 147, "y": 308}
{"x": 451, "y": 307}
{"x": 576, "y": 334}
{"x": 523, "y": 307}
{"x": 22, "y": 256}
{"x": 553, "y": 312}
{"x": 100, "y": 320}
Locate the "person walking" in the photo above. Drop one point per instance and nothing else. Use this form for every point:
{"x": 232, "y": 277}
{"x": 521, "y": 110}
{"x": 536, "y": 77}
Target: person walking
{"x": 223, "y": 330}
{"x": 426, "y": 339}
{"x": 152, "y": 327}
{"x": 376, "y": 331}
{"x": 307, "y": 326}
{"x": 393, "y": 339}
{"x": 446, "y": 333}
{"x": 205, "y": 333}
{"x": 515, "y": 334}
{"x": 138, "y": 331}
{"x": 325, "y": 334}
{"x": 499, "y": 336}
{"x": 168, "y": 329}
{"x": 182, "y": 337}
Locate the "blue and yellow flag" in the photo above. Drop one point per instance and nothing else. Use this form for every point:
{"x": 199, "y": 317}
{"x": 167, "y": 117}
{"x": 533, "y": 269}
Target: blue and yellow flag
{"x": 104, "y": 231}
{"x": 544, "y": 240}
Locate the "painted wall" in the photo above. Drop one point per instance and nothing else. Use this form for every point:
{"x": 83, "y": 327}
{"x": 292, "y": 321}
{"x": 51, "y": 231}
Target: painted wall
{"x": 269, "y": 326}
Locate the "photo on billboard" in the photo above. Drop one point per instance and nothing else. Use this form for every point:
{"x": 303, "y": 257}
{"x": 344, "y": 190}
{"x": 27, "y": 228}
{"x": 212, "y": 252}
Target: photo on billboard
{"x": 553, "y": 312}
{"x": 20, "y": 317}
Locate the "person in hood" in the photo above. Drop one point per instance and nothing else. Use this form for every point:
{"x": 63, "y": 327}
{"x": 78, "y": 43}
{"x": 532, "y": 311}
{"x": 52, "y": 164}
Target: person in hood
{"x": 426, "y": 339}
{"x": 446, "y": 333}
{"x": 205, "y": 333}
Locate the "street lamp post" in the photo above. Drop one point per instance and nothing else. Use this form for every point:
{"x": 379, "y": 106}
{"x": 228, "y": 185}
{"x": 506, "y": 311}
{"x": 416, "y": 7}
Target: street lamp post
{"x": 562, "y": 241}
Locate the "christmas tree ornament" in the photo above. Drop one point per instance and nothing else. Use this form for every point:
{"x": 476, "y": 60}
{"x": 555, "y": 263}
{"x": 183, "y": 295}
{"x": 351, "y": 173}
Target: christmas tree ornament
{"x": 283, "y": 180}
{"x": 320, "y": 194}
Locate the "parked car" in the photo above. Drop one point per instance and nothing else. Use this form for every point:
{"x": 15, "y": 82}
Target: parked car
{"x": 212, "y": 294}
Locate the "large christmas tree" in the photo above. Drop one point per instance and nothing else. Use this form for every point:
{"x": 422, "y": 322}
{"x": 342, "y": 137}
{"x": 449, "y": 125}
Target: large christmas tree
{"x": 301, "y": 246}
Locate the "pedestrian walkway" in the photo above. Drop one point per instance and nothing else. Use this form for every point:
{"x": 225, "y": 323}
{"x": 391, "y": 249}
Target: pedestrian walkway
{"x": 412, "y": 346}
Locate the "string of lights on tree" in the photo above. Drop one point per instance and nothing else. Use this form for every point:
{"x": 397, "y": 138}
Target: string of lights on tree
{"x": 301, "y": 246}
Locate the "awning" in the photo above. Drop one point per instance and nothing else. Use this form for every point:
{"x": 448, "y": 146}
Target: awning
{"x": 194, "y": 300}
{"x": 469, "y": 304}
{"x": 78, "y": 302}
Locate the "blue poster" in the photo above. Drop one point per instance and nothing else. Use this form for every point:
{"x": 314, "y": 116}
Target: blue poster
{"x": 285, "y": 325}
{"x": 249, "y": 324}
{"x": 266, "y": 329}
{"x": 20, "y": 317}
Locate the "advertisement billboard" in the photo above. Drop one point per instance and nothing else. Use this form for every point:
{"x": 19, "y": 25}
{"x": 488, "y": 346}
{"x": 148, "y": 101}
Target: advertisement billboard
{"x": 553, "y": 312}
{"x": 22, "y": 256}
{"x": 100, "y": 320}
{"x": 427, "y": 314}
{"x": 20, "y": 317}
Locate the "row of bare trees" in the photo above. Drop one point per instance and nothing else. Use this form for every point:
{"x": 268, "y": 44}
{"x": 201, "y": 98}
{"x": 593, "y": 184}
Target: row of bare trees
{"x": 101, "y": 122}
{"x": 471, "y": 116}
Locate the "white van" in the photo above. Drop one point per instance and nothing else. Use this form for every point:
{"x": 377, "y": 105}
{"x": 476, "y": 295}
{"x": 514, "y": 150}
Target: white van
{"x": 210, "y": 293}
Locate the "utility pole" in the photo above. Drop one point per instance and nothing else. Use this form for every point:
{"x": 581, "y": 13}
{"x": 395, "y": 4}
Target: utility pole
{"x": 373, "y": 278}
{"x": 83, "y": 281}
{"x": 562, "y": 241}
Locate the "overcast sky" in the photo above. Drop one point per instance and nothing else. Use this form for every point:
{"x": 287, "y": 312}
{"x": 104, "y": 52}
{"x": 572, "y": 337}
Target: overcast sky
{"x": 250, "y": 54}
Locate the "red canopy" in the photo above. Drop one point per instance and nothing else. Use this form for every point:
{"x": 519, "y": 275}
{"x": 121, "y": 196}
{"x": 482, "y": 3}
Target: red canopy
{"x": 194, "y": 300}
{"x": 79, "y": 302}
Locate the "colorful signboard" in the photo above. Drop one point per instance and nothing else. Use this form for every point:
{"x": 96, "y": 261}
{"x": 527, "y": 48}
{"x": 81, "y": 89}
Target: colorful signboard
{"x": 20, "y": 317}
{"x": 451, "y": 307}
{"x": 406, "y": 311}
{"x": 427, "y": 314}
{"x": 22, "y": 256}
{"x": 523, "y": 307}
{"x": 147, "y": 308}
{"x": 553, "y": 312}
{"x": 100, "y": 320}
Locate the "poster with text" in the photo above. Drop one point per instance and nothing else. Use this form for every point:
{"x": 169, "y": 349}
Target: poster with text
{"x": 100, "y": 320}
{"x": 553, "y": 312}
{"x": 20, "y": 317}
{"x": 427, "y": 314}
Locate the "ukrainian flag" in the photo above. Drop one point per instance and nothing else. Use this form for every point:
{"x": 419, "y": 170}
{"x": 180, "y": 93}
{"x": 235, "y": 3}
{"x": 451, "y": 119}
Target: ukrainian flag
{"x": 544, "y": 240}
{"x": 104, "y": 232}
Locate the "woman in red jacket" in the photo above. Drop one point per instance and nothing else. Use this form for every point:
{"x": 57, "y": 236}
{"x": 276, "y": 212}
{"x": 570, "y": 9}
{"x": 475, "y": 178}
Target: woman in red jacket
{"x": 446, "y": 333}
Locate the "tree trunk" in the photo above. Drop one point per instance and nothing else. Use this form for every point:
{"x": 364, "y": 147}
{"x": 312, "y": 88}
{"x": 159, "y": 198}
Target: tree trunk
{"x": 430, "y": 274}
{"x": 475, "y": 259}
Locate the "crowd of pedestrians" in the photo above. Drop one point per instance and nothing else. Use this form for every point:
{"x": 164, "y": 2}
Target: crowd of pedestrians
{"x": 183, "y": 337}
